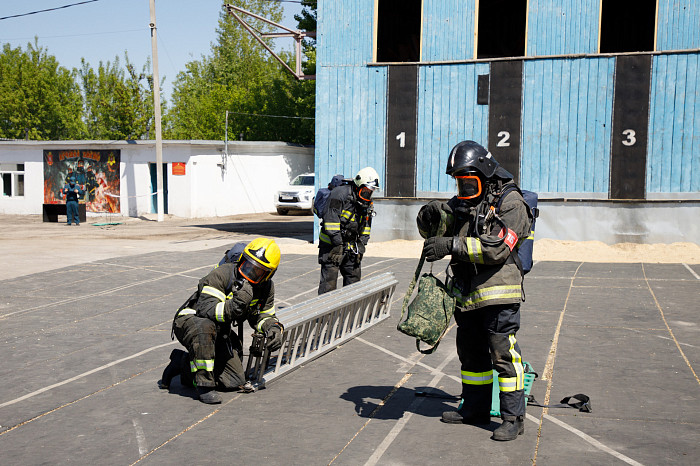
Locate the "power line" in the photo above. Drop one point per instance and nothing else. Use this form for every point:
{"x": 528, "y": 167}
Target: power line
{"x": 145, "y": 28}
{"x": 272, "y": 116}
{"x": 48, "y": 9}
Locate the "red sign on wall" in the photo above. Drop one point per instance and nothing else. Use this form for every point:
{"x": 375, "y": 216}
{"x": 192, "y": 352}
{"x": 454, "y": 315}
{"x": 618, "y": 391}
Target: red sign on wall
{"x": 178, "y": 168}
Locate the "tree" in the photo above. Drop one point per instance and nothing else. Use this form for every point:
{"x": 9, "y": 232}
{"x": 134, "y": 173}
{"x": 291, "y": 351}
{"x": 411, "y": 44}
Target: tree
{"x": 38, "y": 98}
{"x": 242, "y": 77}
{"x": 118, "y": 101}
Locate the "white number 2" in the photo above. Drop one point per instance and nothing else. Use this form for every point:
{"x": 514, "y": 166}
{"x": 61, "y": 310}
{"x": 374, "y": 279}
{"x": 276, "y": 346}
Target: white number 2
{"x": 503, "y": 142}
{"x": 401, "y": 137}
{"x": 630, "y": 137}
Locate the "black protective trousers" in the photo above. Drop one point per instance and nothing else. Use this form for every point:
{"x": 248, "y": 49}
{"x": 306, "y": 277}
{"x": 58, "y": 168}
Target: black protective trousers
{"x": 485, "y": 342}
{"x": 214, "y": 359}
{"x": 349, "y": 268}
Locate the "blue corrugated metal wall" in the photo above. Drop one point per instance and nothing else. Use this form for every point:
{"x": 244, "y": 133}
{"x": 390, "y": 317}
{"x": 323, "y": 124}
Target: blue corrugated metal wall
{"x": 562, "y": 27}
{"x": 567, "y": 102}
{"x": 447, "y": 114}
{"x": 351, "y": 98}
{"x": 678, "y": 26}
{"x": 673, "y": 161}
{"x": 448, "y": 30}
{"x": 345, "y": 32}
{"x": 350, "y": 121}
{"x": 567, "y": 106}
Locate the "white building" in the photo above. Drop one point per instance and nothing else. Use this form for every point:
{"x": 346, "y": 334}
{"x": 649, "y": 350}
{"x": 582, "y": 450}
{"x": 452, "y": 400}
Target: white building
{"x": 202, "y": 178}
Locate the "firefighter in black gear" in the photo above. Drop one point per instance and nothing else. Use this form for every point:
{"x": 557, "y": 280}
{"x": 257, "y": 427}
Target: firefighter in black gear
{"x": 487, "y": 283}
{"x": 230, "y": 294}
{"x": 345, "y": 230}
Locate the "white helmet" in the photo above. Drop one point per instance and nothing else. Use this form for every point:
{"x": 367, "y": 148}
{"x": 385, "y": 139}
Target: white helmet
{"x": 366, "y": 180}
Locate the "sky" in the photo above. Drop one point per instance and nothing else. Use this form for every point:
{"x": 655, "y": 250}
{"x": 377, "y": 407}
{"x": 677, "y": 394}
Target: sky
{"x": 103, "y": 29}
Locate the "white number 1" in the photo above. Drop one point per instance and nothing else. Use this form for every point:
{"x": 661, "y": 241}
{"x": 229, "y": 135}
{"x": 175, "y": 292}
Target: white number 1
{"x": 401, "y": 137}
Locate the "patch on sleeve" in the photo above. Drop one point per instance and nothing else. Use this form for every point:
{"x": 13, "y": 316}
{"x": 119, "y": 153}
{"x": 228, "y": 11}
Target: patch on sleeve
{"x": 511, "y": 238}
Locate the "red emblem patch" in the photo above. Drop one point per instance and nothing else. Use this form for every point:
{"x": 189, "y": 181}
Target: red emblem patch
{"x": 511, "y": 238}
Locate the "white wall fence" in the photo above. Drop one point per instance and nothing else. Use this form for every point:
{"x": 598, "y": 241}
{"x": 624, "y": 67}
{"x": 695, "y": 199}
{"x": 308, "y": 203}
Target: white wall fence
{"x": 215, "y": 183}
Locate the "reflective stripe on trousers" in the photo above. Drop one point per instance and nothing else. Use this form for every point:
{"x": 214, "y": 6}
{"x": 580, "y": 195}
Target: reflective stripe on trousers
{"x": 202, "y": 364}
{"x": 477, "y": 378}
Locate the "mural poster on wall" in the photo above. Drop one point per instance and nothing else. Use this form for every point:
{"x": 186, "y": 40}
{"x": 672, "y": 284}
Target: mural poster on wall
{"x": 96, "y": 171}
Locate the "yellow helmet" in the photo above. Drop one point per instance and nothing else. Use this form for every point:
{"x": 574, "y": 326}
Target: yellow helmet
{"x": 259, "y": 260}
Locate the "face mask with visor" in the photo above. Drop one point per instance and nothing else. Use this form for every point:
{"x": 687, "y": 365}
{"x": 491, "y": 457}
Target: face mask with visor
{"x": 365, "y": 192}
{"x": 252, "y": 271}
{"x": 468, "y": 187}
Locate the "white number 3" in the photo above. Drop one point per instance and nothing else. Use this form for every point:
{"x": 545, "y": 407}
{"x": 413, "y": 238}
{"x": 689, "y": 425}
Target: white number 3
{"x": 630, "y": 137}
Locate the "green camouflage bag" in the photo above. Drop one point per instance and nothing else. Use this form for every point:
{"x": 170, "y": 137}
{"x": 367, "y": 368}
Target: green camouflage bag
{"x": 429, "y": 313}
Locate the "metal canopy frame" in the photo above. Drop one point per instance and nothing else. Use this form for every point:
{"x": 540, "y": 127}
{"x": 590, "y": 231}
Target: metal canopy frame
{"x": 296, "y": 34}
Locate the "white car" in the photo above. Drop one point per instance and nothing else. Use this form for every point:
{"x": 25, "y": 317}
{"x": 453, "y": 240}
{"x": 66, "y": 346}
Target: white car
{"x": 299, "y": 195}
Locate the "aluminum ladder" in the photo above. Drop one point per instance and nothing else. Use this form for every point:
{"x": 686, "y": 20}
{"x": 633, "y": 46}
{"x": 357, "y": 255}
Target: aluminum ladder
{"x": 316, "y": 326}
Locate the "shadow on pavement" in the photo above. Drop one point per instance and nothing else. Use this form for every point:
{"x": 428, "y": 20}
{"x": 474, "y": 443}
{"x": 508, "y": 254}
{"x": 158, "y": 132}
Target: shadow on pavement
{"x": 302, "y": 229}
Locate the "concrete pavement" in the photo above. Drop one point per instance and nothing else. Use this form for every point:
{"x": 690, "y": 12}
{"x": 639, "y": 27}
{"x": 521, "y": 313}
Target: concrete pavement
{"x": 84, "y": 342}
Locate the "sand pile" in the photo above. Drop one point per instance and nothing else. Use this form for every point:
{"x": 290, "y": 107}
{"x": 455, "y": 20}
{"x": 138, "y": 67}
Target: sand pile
{"x": 548, "y": 250}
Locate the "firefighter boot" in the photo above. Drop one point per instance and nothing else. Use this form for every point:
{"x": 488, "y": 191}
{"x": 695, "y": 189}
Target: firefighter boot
{"x": 510, "y": 429}
{"x": 172, "y": 369}
{"x": 208, "y": 395}
{"x": 465, "y": 415}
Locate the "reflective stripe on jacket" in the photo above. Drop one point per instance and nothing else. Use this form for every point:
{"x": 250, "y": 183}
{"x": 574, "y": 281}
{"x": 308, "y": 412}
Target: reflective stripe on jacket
{"x": 484, "y": 273}
{"x": 221, "y": 304}
{"x": 344, "y": 221}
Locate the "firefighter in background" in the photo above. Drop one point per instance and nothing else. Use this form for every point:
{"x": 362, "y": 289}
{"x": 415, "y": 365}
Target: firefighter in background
{"x": 345, "y": 230}
{"x": 486, "y": 282}
{"x": 73, "y": 193}
{"x": 230, "y": 294}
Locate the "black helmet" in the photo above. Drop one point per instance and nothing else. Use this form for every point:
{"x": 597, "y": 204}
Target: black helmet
{"x": 469, "y": 156}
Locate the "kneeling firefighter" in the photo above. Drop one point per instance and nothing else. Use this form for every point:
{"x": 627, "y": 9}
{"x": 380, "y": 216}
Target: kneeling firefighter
{"x": 481, "y": 234}
{"x": 345, "y": 230}
{"x": 230, "y": 294}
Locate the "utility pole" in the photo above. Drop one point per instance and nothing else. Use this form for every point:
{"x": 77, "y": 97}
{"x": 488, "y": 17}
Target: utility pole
{"x": 156, "y": 109}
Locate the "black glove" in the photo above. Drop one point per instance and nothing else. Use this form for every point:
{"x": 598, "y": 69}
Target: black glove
{"x": 436, "y": 248}
{"x": 428, "y": 219}
{"x": 336, "y": 254}
{"x": 274, "y": 337}
{"x": 244, "y": 295}
{"x": 360, "y": 248}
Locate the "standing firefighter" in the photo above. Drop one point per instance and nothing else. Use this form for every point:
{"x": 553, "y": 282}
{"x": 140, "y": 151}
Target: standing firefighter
{"x": 230, "y": 294}
{"x": 487, "y": 282}
{"x": 72, "y": 191}
{"x": 345, "y": 230}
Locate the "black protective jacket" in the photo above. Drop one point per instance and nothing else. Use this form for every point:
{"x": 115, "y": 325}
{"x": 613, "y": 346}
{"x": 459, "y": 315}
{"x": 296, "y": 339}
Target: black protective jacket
{"x": 485, "y": 272}
{"x": 345, "y": 221}
{"x": 218, "y": 300}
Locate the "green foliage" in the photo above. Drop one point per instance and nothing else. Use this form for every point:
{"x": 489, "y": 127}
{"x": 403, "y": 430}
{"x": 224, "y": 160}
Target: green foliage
{"x": 38, "y": 98}
{"x": 242, "y": 77}
{"x": 118, "y": 101}
{"x": 41, "y": 100}
{"x": 307, "y": 22}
